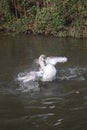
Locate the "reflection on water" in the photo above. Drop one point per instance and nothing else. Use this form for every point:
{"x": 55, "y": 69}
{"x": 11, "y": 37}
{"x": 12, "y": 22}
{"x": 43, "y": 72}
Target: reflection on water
{"x": 61, "y": 104}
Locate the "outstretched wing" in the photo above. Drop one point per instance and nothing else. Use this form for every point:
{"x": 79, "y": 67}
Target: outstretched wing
{"x": 32, "y": 76}
{"x": 54, "y": 60}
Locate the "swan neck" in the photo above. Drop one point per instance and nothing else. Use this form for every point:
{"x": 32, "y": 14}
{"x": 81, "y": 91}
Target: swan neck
{"x": 42, "y": 65}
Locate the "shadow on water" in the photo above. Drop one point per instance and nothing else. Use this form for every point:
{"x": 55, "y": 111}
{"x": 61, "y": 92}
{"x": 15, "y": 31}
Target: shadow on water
{"x": 61, "y": 104}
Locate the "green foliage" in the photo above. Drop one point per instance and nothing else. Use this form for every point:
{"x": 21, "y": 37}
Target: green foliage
{"x": 60, "y": 18}
{"x": 4, "y": 10}
{"x": 18, "y": 25}
{"x": 49, "y": 18}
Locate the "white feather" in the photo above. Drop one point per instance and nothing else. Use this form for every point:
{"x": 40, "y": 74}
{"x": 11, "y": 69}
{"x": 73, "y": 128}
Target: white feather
{"x": 55, "y": 60}
{"x": 47, "y": 65}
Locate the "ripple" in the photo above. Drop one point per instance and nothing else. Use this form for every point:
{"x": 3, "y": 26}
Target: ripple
{"x": 59, "y": 121}
{"x": 78, "y": 108}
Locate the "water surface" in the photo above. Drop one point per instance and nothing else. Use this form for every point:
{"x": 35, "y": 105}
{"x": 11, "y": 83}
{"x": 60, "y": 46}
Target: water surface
{"x": 58, "y": 105}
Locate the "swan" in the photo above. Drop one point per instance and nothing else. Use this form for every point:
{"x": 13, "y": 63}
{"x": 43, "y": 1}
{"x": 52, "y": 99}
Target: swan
{"x": 47, "y": 66}
{"x": 46, "y": 72}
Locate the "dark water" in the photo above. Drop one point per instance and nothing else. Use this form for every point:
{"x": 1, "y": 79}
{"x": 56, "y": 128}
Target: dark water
{"x": 58, "y": 105}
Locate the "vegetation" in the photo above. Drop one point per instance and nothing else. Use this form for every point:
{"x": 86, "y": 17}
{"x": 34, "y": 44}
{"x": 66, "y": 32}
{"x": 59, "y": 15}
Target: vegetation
{"x": 56, "y": 17}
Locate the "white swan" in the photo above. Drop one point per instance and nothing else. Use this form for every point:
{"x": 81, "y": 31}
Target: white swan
{"x": 47, "y": 71}
{"x": 47, "y": 65}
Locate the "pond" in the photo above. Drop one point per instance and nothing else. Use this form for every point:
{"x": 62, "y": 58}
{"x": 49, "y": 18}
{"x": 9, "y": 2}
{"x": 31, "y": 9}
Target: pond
{"x": 58, "y": 105}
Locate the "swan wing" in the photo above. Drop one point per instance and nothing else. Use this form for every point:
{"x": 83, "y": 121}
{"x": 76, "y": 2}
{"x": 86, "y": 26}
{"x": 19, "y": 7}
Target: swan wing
{"x": 34, "y": 75}
{"x": 55, "y": 60}
{"x": 26, "y": 78}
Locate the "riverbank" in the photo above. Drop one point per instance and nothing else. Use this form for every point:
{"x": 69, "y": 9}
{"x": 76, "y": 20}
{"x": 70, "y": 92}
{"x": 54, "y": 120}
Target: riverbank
{"x": 60, "y": 19}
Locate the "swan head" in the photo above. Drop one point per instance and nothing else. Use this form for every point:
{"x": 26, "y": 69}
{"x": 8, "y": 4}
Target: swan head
{"x": 42, "y": 57}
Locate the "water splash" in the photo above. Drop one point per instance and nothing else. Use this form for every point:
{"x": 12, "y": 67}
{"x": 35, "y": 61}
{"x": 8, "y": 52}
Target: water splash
{"x": 74, "y": 73}
{"x": 30, "y": 86}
